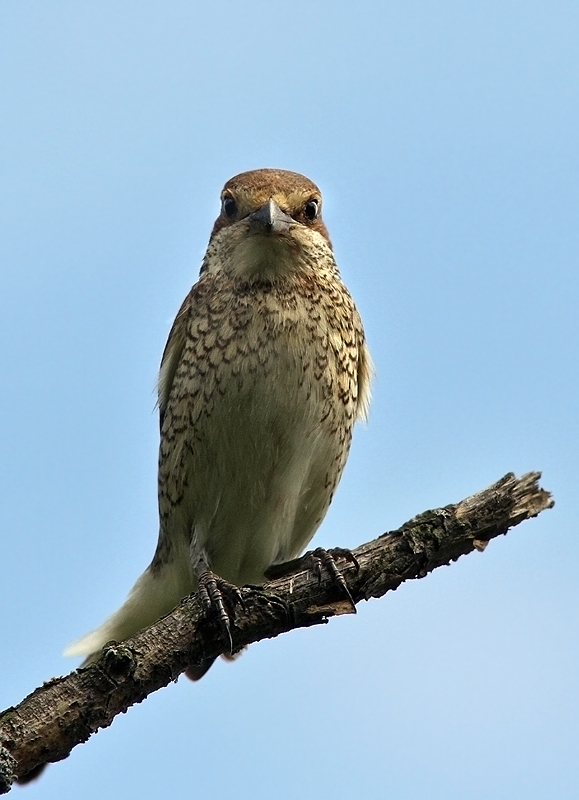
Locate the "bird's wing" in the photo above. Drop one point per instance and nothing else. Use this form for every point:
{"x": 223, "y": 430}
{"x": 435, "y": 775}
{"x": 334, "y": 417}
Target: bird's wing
{"x": 365, "y": 374}
{"x": 172, "y": 356}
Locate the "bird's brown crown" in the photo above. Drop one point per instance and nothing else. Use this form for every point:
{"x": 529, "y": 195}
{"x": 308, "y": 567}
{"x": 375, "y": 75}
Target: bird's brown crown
{"x": 295, "y": 194}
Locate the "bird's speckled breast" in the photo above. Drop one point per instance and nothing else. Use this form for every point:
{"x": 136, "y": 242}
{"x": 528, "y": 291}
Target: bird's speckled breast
{"x": 258, "y": 421}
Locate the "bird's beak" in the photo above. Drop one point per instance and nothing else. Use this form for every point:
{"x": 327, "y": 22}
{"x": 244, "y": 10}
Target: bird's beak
{"x": 270, "y": 219}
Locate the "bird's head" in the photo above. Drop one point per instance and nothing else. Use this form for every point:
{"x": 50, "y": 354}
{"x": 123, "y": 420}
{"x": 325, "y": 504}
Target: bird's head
{"x": 270, "y": 225}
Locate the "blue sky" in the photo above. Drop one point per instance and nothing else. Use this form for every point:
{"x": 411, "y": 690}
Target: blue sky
{"x": 444, "y": 137}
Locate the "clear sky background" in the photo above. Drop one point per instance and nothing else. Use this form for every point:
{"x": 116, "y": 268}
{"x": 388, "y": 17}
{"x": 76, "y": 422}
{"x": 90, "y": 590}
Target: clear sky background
{"x": 444, "y": 136}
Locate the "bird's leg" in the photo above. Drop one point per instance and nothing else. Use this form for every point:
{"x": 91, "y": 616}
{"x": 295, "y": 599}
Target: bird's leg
{"x": 213, "y": 590}
{"x": 316, "y": 560}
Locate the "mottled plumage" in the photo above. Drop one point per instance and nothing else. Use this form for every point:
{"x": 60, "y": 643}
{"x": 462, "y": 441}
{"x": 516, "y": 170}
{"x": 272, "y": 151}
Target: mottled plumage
{"x": 263, "y": 376}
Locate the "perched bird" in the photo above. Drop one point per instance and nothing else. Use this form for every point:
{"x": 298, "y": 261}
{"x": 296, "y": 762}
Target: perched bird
{"x": 264, "y": 373}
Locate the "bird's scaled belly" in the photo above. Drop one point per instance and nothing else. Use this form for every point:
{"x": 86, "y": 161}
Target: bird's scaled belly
{"x": 259, "y": 480}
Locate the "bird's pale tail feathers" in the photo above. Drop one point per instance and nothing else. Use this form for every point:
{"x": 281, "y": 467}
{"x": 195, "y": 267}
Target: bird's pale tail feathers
{"x": 153, "y": 595}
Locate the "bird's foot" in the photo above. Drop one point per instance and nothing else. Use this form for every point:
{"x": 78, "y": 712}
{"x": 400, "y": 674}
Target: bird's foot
{"x": 215, "y": 593}
{"x": 316, "y": 560}
{"x": 326, "y": 558}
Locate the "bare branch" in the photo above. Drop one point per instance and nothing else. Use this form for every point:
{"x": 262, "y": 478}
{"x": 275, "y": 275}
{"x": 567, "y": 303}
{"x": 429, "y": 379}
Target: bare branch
{"x": 66, "y": 711}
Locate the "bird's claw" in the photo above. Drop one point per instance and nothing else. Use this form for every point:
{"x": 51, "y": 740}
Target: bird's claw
{"x": 316, "y": 560}
{"x": 326, "y": 558}
{"x": 214, "y": 592}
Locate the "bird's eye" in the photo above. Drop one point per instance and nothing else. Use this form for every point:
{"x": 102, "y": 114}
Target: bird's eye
{"x": 311, "y": 210}
{"x": 229, "y": 207}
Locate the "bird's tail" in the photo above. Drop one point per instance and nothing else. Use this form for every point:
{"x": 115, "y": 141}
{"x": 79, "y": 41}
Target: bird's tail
{"x": 155, "y": 594}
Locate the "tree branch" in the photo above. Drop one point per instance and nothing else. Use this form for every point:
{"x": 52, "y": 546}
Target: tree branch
{"x": 66, "y": 711}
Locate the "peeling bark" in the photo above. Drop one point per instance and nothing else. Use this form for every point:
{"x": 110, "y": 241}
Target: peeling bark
{"x": 66, "y": 711}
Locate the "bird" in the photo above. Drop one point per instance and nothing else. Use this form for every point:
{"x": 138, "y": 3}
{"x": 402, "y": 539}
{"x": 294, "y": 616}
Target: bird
{"x": 265, "y": 371}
